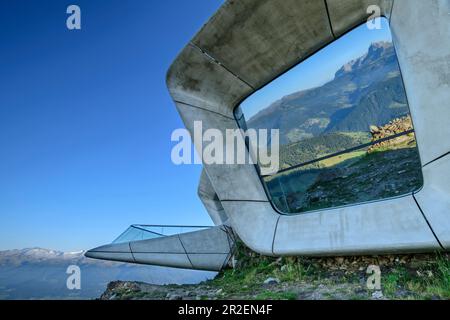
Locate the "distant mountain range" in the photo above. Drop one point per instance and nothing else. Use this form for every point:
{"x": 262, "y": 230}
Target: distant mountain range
{"x": 364, "y": 92}
{"x": 38, "y": 273}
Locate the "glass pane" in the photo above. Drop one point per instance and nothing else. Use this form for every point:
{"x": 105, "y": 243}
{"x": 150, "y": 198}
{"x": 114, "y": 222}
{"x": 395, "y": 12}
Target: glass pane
{"x": 136, "y": 234}
{"x": 363, "y": 175}
{"x": 167, "y": 230}
{"x": 346, "y": 135}
{"x": 145, "y": 232}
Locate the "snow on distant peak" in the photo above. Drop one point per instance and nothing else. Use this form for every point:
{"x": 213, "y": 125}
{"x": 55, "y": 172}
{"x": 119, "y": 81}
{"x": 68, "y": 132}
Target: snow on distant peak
{"x": 74, "y": 252}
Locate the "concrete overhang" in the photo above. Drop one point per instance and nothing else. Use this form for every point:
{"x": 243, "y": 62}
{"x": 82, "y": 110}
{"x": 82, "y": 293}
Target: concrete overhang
{"x": 245, "y": 45}
{"x": 208, "y": 249}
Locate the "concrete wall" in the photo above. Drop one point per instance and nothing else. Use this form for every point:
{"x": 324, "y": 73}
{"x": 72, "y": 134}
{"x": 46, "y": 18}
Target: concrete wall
{"x": 248, "y": 43}
{"x": 210, "y": 200}
{"x": 421, "y": 31}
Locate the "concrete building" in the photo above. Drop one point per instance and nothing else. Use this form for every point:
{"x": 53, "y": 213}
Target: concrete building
{"x": 249, "y": 43}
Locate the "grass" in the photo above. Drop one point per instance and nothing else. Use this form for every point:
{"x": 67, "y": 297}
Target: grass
{"x": 424, "y": 278}
{"x": 392, "y": 281}
{"x": 426, "y": 281}
{"x": 247, "y": 280}
{"x": 331, "y": 162}
{"x": 407, "y": 277}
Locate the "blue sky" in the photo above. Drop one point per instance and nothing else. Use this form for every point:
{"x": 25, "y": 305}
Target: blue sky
{"x": 319, "y": 68}
{"x": 86, "y": 120}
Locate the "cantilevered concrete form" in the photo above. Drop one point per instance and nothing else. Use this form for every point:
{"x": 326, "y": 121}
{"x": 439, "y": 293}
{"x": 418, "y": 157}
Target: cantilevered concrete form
{"x": 206, "y": 249}
{"x": 246, "y": 45}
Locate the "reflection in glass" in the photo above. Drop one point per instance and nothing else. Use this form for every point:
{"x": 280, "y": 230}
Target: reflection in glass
{"x": 346, "y": 135}
{"x": 146, "y": 232}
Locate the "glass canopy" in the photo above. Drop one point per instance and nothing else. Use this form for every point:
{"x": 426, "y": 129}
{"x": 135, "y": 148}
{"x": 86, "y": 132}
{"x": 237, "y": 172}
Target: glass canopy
{"x": 138, "y": 232}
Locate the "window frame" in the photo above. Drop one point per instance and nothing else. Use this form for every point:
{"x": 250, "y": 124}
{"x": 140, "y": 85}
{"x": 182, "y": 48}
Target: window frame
{"x": 238, "y": 114}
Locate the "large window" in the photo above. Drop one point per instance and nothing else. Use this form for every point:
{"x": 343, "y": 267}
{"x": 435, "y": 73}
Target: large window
{"x": 346, "y": 135}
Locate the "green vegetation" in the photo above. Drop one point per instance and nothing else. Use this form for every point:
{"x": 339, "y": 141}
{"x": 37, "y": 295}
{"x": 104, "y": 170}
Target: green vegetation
{"x": 427, "y": 280}
{"x": 386, "y": 170}
{"x": 247, "y": 280}
{"x": 371, "y": 92}
{"x": 404, "y": 277}
{"x": 365, "y": 93}
{"x": 313, "y": 148}
{"x": 331, "y": 162}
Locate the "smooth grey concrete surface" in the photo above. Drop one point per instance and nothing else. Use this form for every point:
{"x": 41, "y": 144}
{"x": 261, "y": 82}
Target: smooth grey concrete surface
{"x": 196, "y": 80}
{"x": 173, "y": 260}
{"x": 227, "y": 179}
{"x": 207, "y": 249}
{"x": 170, "y": 244}
{"x": 254, "y": 222}
{"x": 390, "y": 226}
{"x": 114, "y": 247}
{"x": 112, "y": 256}
{"x": 421, "y": 33}
{"x": 208, "y": 262}
{"x": 210, "y": 200}
{"x": 259, "y": 39}
{"x": 114, "y": 252}
{"x": 347, "y": 14}
{"x": 434, "y": 198}
{"x": 208, "y": 241}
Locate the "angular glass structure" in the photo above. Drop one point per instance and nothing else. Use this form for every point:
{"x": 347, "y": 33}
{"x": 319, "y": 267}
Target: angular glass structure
{"x": 138, "y": 232}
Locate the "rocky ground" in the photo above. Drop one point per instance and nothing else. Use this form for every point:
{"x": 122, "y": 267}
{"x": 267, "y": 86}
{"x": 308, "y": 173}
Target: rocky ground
{"x": 387, "y": 169}
{"x": 408, "y": 277}
{"x": 394, "y": 127}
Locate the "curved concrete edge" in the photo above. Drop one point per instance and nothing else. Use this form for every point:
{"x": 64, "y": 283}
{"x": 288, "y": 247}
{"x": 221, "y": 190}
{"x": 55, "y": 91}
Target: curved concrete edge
{"x": 197, "y": 80}
{"x": 230, "y": 181}
{"x": 255, "y": 223}
{"x": 434, "y": 198}
{"x": 347, "y": 14}
{"x": 257, "y": 40}
{"x": 210, "y": 200}
{"x": 390, "y": 226}
{"x": 113, "y": 247}
{"x": 207, "y": 249}
{"x": 111, "y": 256}
{"x": 114, "y": 252}
{"x": 418, "y": 29}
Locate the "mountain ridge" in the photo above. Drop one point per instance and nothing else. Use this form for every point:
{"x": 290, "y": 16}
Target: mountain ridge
{"x": 365, "y": 91}
{"x": 38, "y": 273}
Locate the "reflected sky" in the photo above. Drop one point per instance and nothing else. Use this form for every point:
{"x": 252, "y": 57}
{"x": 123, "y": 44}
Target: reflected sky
{"x": 319, "y": 68}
